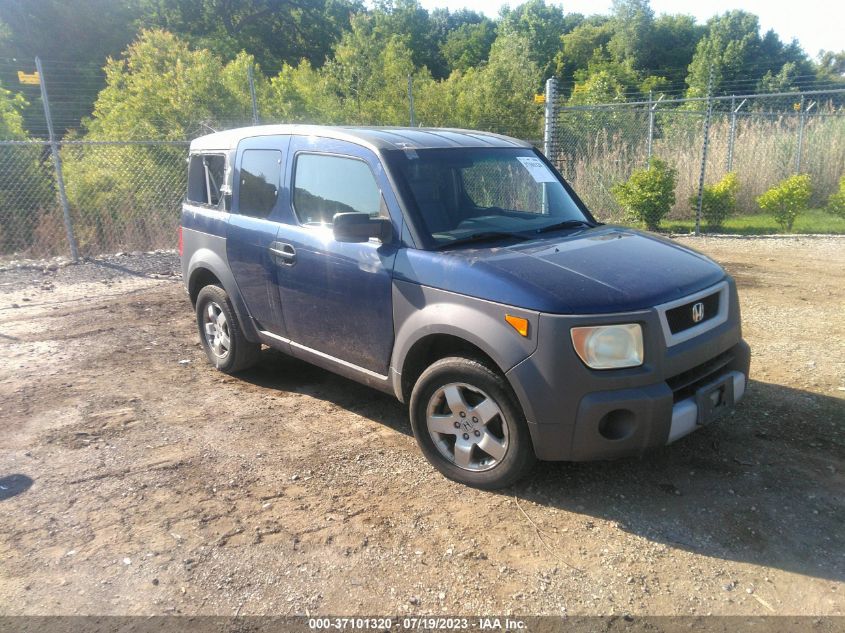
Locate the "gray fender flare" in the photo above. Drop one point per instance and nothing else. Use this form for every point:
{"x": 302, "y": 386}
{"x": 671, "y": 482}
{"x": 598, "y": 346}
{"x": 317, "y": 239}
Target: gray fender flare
{"x": 478, "y": 322}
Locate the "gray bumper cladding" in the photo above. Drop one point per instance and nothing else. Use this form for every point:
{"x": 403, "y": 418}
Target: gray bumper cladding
{"x": 686, "y": 416}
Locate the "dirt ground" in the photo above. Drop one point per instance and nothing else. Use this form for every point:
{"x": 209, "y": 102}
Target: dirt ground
{"x": 135, "y": 479}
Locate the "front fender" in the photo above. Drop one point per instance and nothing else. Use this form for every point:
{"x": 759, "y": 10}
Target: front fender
{"x": 421, "y": 311}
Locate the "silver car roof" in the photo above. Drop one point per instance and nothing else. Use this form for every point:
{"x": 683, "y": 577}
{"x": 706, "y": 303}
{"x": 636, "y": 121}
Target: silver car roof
{"x": 376, "y": 138}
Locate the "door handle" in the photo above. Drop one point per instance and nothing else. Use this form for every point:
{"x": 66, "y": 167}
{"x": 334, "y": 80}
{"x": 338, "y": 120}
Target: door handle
{"x": 284, "y": 252}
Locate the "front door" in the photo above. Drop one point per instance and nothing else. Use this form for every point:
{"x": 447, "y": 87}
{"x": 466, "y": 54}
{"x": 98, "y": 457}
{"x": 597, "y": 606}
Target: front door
{"x": 253, "y": 225}
{"x": 336, "y": 297}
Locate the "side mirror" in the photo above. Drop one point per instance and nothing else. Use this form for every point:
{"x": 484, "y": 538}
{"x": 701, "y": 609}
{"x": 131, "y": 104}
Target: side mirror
{"x": 360, "y": 227}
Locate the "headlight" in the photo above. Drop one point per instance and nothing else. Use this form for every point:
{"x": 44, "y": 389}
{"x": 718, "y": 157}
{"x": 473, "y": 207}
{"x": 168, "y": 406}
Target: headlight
{"x": 609, "y": 346}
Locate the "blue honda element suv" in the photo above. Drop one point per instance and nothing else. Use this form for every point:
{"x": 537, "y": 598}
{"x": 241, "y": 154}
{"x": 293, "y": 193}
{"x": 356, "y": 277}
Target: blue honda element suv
{"x": 458, "y": 271}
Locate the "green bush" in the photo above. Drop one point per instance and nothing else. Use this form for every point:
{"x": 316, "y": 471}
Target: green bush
{"x": 836, "y": 202}
{"x": 717, "y": 201}
{"x": 648, "y": 194}
{"x": 787, "y": 199}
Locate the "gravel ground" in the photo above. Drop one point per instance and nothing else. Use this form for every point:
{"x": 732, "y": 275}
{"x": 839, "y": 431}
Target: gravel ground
{"x": 134, "y": 479}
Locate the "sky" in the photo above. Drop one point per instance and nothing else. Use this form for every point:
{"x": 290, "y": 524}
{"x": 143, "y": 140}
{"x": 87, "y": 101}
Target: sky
{"x": 816, "y": 24}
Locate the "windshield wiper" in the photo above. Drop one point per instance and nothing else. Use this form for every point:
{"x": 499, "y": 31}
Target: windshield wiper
{"x": 481, "y": 237}
{"x": 566, "y": 224}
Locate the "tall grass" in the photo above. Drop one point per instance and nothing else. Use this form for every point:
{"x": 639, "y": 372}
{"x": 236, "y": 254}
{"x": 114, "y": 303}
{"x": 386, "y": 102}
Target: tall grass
{"x": 596, "y": 154}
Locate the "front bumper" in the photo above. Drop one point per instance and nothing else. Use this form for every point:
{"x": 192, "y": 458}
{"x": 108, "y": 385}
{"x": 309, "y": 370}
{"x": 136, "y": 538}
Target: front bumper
{"x": 686, "y": 417}
{"x": 578, "y": 414}
{"x": 623, "y": 422}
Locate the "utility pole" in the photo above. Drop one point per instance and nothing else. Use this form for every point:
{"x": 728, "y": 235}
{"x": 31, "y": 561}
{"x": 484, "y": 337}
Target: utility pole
{"x": 57, "y": 164}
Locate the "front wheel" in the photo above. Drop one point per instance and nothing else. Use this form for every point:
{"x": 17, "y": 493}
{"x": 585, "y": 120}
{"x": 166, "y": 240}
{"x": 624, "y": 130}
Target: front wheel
{"x": 468, "y": 424}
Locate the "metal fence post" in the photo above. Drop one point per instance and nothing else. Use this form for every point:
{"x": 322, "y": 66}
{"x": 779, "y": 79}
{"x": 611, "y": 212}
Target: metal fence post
{"x": 549, "y": 141}
{"x": 651, "y": 113}
{"x": 732, "y": 134}
{"x": 650, "y": 128}
{"x": 801, "y": 123}
{"x": 707, "y": 116}
{"x": 250, "y": 76}
{"x": 411, "y": 100}
{"x": 57, "y": 163}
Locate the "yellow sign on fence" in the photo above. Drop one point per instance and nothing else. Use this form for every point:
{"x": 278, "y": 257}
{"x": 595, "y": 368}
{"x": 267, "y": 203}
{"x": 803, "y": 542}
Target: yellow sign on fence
{"x": 31, "y": 78}
{"x": 539, "y": 98}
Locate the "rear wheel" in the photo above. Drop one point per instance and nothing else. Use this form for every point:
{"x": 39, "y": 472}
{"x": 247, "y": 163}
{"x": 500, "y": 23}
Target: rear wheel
{"x": 468, "y": 424}
{"x": 220, "y": 332}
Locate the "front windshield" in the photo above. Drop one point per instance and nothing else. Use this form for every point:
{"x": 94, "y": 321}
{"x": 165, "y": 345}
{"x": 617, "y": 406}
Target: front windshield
{"x": 466, "y": 193}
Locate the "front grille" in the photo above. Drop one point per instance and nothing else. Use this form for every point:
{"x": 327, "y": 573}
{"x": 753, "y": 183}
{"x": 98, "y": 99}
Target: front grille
{"x": 681, "y": 318}
{"x": 686, "y": 383}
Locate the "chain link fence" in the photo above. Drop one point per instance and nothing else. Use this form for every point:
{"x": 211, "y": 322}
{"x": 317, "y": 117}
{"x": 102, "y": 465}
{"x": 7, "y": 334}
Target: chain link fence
{"x": 60, "y": 196}
{"x": 761, "y": 138}
{"x": 121, "y": 196}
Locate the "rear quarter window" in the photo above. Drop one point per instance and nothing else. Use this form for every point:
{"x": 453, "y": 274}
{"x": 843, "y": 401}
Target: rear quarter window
{"x": 206, "y": 173}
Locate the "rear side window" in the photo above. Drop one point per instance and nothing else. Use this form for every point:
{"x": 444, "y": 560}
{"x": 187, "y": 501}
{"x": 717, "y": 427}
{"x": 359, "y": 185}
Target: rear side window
{"x": 259, "y": 186}
{"x": 325, "y": 185}
{"x": 205, "y": 178}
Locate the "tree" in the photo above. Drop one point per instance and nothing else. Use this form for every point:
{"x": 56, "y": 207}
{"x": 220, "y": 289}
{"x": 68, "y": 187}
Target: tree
{"x": 632, "y": 24}
{"x": 496, "y": 96}
{"x": 501, "y": 95}
{"x": 831, "y": 66}
{"x": 541, "y": 25}
{"x": 672, "y": 40}
{"x": 11, "y": 115}
{"x": 303, "y": 94}
{"x": 586, "y": 42}
{"x": 784, "y": 81}
{"x": 164, "y": 89}
{"x": 410, "y": 21}
{"x": 740, "y": 58}
{"x": 273, "y": 31}
{"x": 599, "y": 87}
{"x": 160, "y": 89}
{"x": 468, "y": 45}
{"x": 73, "y": 39}
{"x": 369, "y": 73}
{"x": 25, "y": 186}
{"x": 729, "y": 48}
{"x": 773, "y": 56}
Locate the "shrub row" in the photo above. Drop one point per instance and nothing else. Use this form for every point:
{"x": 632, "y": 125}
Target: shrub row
{"x": 648, "y": 195}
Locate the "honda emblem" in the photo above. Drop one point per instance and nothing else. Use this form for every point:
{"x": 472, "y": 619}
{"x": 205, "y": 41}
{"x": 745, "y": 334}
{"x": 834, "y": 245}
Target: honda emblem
{"x": 697, "y": 312}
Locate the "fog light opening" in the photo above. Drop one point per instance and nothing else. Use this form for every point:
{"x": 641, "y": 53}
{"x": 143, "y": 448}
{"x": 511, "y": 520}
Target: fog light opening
{"x": 618, "y": 424}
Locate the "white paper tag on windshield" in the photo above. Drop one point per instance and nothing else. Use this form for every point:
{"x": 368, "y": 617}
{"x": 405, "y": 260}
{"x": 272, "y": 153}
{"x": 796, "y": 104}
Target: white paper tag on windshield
{"x": 538, "y": 170}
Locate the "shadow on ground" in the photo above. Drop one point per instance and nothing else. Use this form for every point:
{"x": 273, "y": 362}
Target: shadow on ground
{"x": 763, "y": 485}
{"x": 281, "y": 372}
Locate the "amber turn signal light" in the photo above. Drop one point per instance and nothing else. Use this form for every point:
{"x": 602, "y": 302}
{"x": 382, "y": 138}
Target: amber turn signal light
{"x": 518, "y": 323}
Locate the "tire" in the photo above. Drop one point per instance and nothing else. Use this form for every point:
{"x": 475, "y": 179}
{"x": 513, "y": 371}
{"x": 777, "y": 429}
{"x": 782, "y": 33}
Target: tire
{"x": 489, "y": 450}
{"x": 220, "y": 332}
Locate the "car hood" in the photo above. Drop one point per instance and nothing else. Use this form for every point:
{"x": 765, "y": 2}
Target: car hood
{"x": 601, "y": 270}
